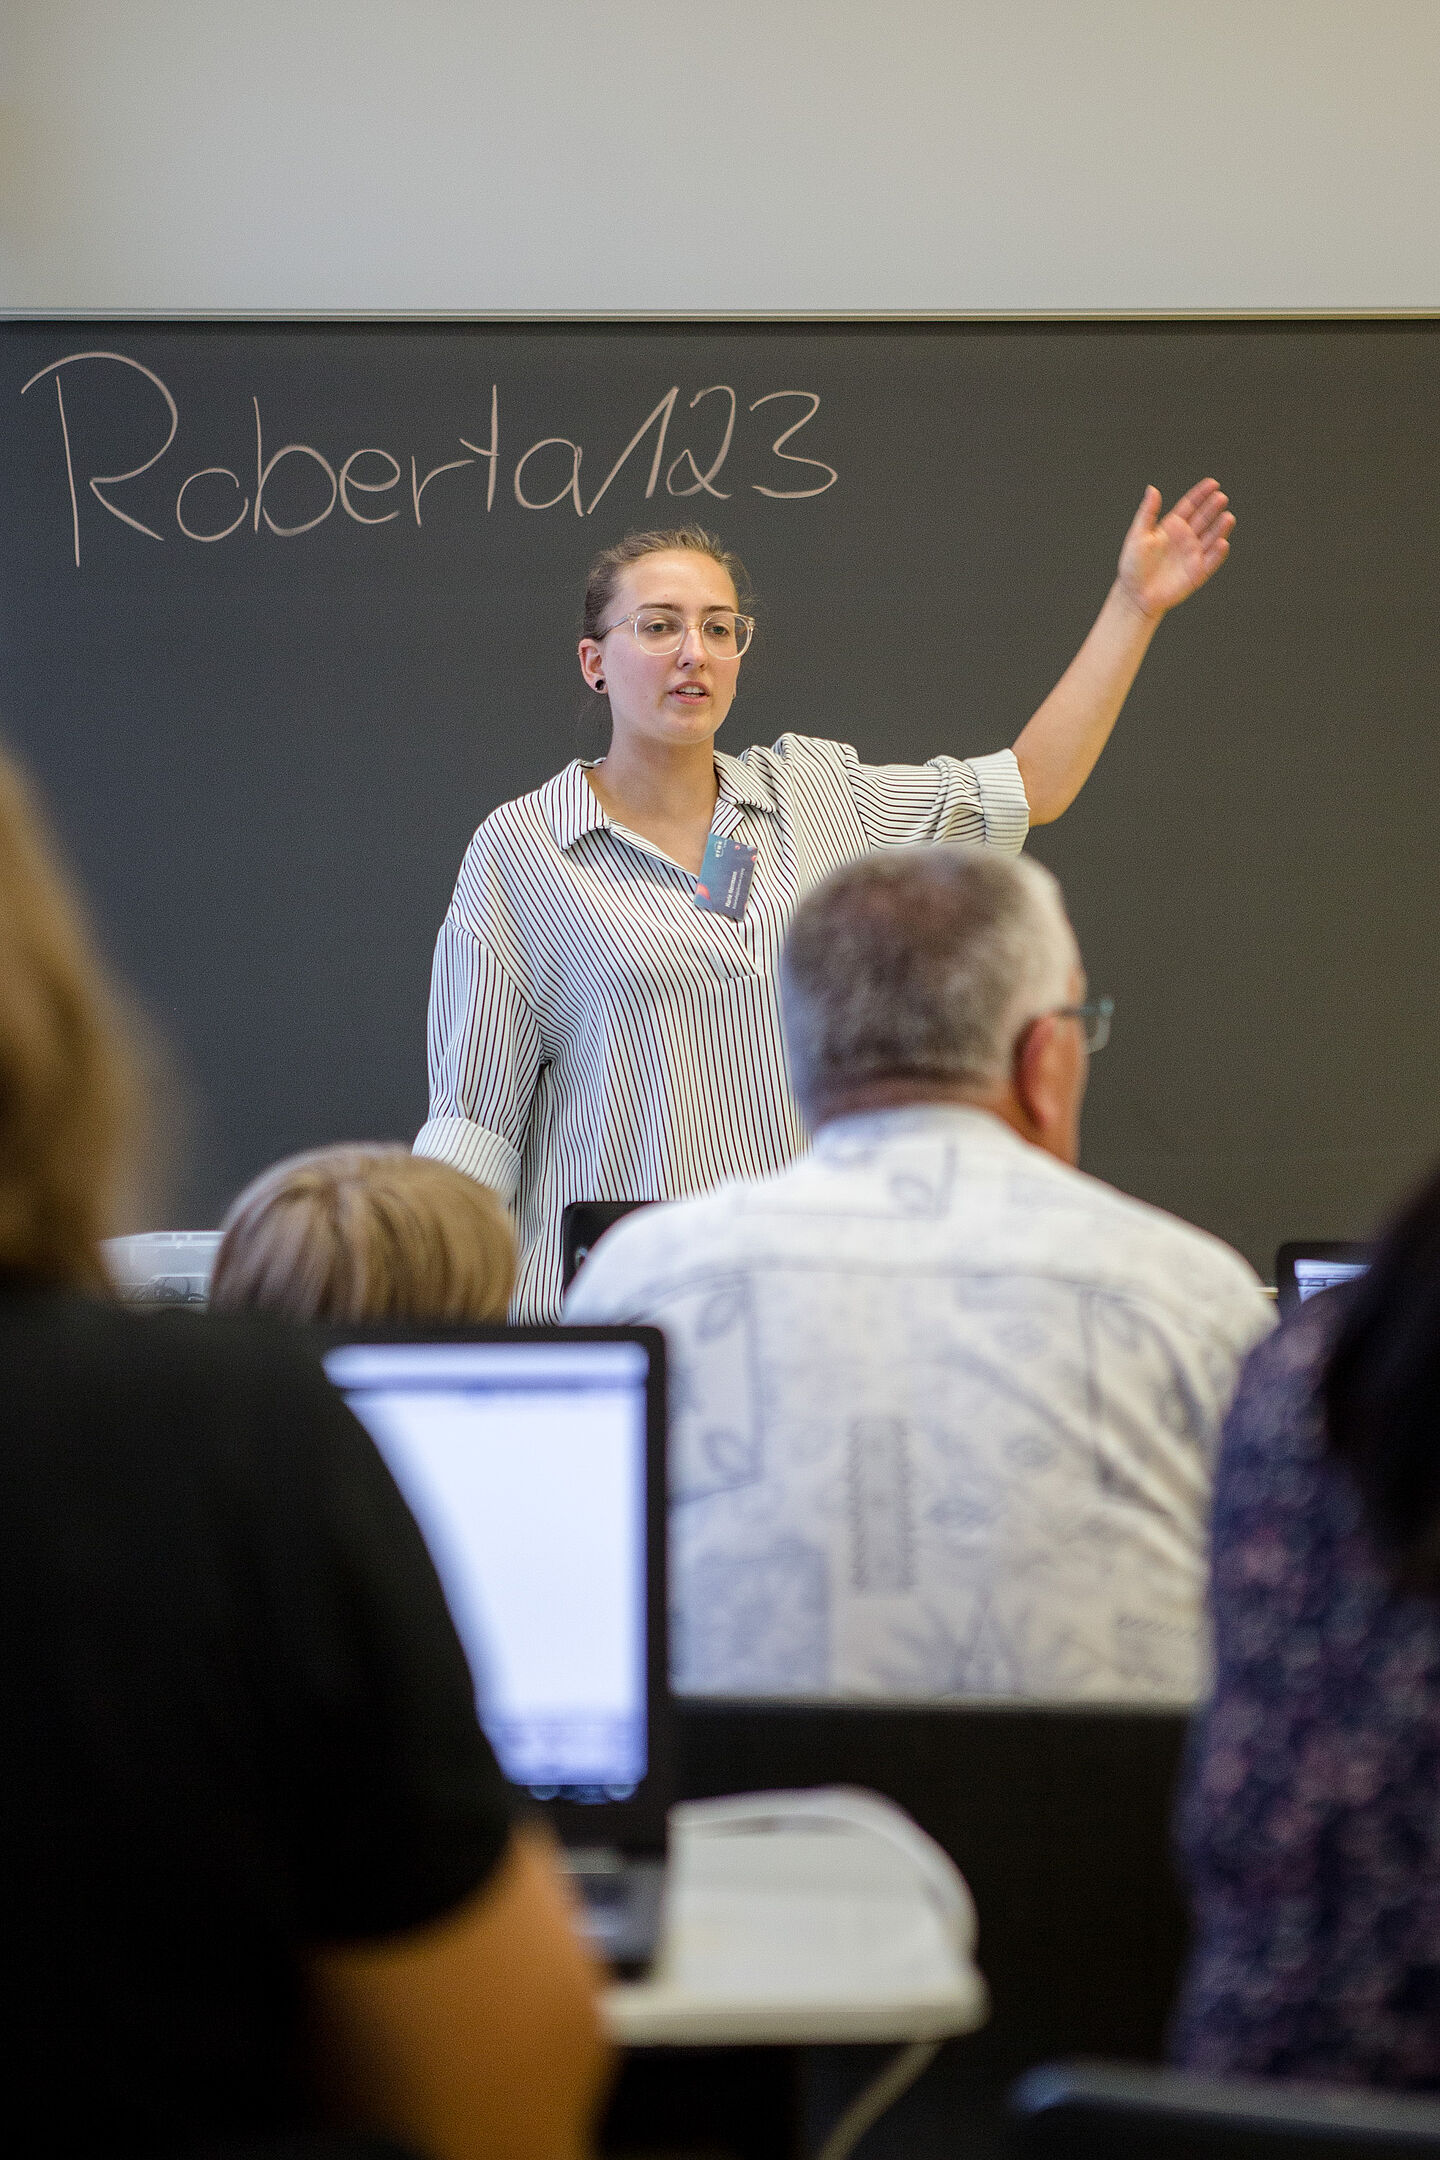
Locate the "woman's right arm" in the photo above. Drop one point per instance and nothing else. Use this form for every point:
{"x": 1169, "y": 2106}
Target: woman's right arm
{"x": 485, "y": 1055}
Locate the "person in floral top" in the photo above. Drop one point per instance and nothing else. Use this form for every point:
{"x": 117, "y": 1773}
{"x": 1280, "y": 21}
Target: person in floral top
{"x": 1310, "y": 1815}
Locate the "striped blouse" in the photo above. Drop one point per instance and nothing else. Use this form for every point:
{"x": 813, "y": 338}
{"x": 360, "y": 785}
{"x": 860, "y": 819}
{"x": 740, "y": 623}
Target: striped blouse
{"x": 596, "y": 1036}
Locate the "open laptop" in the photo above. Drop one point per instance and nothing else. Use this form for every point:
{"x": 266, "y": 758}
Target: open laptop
{"x": 1307, "y": 1266}
{"x": 533, "y": 1460}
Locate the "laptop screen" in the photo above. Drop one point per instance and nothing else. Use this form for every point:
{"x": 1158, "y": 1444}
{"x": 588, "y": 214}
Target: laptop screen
{"x": 524, "y": 1464}
{"x": 1306, "y": 1266}
{"x": 1313, "y": 1276}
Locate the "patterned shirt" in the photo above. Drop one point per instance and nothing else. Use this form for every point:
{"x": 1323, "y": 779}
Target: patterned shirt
{"x": 595, "y": 1036}
{"x": 1311, "y": 1818}
{"x": 942, "y": 1413}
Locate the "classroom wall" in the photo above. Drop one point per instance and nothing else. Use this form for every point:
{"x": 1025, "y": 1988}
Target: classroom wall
{"x": 770, "y": 155}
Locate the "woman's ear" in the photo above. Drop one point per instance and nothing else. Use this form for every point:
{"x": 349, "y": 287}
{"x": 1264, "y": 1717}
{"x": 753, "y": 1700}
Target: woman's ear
{"x": 592, "y": 663}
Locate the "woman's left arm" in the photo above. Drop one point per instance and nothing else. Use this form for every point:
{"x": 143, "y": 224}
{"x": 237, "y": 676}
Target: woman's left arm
{"x": 1163, "y": 561}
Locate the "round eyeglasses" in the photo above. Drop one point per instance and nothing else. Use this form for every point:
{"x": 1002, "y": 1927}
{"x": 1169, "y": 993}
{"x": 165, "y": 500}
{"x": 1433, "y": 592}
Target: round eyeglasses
{"x": 660, "y": 630}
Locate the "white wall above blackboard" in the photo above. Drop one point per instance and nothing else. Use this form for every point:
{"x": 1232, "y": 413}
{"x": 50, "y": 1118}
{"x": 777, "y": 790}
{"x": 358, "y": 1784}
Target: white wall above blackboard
{"x": 831, "y": 155}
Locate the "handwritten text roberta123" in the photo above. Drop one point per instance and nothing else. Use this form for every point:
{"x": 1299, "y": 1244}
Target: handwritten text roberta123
{"x": 215, "y": 502}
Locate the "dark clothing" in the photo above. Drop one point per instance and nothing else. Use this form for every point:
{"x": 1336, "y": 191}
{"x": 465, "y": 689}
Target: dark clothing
{"x": 1311, "y": 1818}
{"x": 234, "y": 1715}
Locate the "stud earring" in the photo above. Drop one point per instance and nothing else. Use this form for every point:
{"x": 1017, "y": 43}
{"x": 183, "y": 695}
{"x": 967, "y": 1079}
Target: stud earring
{"x": 600, "y": 684}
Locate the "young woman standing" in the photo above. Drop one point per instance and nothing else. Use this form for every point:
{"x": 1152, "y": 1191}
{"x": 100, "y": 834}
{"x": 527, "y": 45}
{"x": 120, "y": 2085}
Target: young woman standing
{"x": 603, "y": 1014}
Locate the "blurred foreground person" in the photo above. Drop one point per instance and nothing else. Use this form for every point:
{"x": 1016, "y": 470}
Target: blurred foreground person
{"x": 365, "y": 1233}
{"x": 258, "y": 1873}
{"x": 1311, "y": 1815}
{"x": 943, "y": 1408}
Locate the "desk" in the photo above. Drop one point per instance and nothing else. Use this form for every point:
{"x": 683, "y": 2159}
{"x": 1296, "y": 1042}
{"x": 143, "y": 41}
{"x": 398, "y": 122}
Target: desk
{"x": 804, "y": 1919}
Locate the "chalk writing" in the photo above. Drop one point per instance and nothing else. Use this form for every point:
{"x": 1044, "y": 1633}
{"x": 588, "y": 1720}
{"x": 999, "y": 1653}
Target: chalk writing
{"x": 377, "y": 487}
{"x": 795, "y": 494}
{"x": 703, "y": 480}
{"x": 545, "y": 475}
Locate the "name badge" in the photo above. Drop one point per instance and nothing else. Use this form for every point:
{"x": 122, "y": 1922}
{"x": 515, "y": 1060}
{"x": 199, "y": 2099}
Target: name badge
{"x": 723, "y": 886}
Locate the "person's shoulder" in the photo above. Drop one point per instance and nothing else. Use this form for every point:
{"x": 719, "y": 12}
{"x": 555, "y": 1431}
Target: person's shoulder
{"x": 798, "y": 775}
{"x": 103, "y": 1333}
{"x": 237, "y": 1356}
{"x": 529, "y": 821}
{"x": 1292, "y": 1358}
{"x": 1179, "y": 1261}
{"x": 517, "y": 850}
{"x": 629, "y": 1271}
{"x": 1275, "y": 1447}
{"x": 169, "y": 1384}
{"x": 798, "y": 753}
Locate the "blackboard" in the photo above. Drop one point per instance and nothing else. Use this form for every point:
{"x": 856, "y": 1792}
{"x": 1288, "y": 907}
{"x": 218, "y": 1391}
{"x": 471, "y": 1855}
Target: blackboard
{"x": 271, "y": 681}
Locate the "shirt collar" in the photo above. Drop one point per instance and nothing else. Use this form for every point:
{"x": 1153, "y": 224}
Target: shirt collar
{"x": 917, "y": 1121}
{"x": 741, "y": 785}
{"x": 570, "y": 805}
{"x": 572, "y": 808}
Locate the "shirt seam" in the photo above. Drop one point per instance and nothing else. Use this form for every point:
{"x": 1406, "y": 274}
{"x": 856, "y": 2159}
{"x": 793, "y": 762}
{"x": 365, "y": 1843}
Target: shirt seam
{"x": 483, "y": 945}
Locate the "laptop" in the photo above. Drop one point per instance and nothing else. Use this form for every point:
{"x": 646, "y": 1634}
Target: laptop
{"x": 582, "y": 1225}
{"x": 162, "y": 1267}
{"x": 1306, "y": 1266}
{"x": 533, "y": 1460}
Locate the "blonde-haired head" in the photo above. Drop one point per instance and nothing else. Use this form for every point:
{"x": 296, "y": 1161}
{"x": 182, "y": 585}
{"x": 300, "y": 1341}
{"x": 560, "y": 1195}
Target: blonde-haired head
{"x": 365, "y": 1233}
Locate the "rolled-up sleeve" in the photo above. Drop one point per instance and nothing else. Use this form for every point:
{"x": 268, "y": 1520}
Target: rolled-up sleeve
{"x": 981, "y": 800}
{"x": 485, "y": 1057}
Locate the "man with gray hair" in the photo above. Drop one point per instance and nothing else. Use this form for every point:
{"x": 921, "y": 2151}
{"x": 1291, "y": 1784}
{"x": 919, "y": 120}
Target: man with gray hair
{"x": 943, "y": 1408}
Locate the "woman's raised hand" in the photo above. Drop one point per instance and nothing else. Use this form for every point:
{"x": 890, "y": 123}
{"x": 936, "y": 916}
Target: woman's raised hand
{"x": 1166, "y": 559}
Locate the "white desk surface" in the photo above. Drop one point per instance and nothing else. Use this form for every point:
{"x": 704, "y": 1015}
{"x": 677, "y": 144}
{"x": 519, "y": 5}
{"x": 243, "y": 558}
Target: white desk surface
{"x": 804, "y": 1919}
